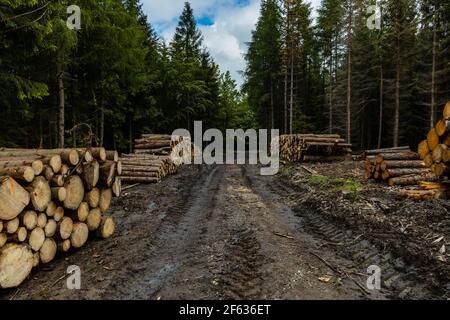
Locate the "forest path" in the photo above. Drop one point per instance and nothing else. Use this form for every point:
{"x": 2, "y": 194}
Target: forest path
{"x": 210, "y": 232}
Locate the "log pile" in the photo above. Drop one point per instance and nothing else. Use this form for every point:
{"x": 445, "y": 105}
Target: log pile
{"x": 397, "y": 166}
{"x": 313, "y": 148}
{"x": 435, "y": 149}
{"x": 52, "y": 201}
{"x": 151, "y": 160}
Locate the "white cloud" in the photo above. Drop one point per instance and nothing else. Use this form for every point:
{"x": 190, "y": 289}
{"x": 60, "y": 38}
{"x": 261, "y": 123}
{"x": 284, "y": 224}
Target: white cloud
{"x": 226, "y": 39}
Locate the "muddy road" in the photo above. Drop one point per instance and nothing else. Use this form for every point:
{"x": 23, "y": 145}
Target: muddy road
{"x": 225, "y": 232}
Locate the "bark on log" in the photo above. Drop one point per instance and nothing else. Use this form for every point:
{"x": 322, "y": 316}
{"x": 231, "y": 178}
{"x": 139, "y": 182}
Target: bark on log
{"x": 112, "y": 156}
{"x": 59, "y": 193}
{"x": 397, "y": 156}
{"x": 148, "y": 174}
{"x": 19, "y": 173}
{"x": 48, "y": 250}
{"x": 91, "y": 174}
{"x": 422, "y": 194}
{"x": 36, "y": 165}
{"x": 13, "y": 198}
{"x": 75, "y": 192}
{"x": 105, "y": 200}
{"x": 138, "y": 180}
{"x": 79, "y": 235}
{"x": 392, "y": 164}
{"x": 411, "y": 180}
{"x": 392, "y": 173}
{"x": 315, "y": 158}
{"x": 68, "y": 156}
{"x": 107, "y": 173}
{"x": 16, "y": 262}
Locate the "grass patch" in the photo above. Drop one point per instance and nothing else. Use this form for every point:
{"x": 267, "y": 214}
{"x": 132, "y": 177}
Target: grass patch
{"x": 348, "y": 187}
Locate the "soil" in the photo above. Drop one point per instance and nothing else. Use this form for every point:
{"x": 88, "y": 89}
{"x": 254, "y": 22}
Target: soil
{"x": 225, "y": 232}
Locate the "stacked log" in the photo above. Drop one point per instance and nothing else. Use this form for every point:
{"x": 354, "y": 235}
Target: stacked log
{"x": 435, "y": 149}
{"x": 314, "y": 148}
{"x": 46, "y": 201}
{"x": 151, "y": 161}
{"x": 397, "y": 166}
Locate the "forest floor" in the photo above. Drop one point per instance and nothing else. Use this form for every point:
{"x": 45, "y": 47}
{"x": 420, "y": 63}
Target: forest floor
{"x": 225, "y": 232}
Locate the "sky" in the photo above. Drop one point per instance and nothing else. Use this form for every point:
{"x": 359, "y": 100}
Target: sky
{"x": 226, "y": 26}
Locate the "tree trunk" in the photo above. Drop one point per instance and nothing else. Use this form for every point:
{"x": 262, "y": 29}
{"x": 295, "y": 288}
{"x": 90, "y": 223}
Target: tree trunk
{"x": 61, "y": 103}
{"x": 349, "y": 76}
{"x": 380, "y": 120}
{"x": 397, "y": 95}
{"x": 433, "y": 77}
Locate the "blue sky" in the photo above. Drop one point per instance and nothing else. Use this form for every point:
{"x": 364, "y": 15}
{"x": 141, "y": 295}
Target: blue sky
{"x": 226, "y": 26}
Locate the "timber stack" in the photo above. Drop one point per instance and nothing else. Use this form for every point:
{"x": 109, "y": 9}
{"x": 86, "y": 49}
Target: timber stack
{"x": 398, "y": 166}
{"x": 152, "y": 159}
{"x": 52, "y": 201}
{"x": 435, "y": 149}
{"x": 314, "y": 148}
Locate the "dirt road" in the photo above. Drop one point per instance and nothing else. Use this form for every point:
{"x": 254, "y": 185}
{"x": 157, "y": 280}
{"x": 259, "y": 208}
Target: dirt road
{"x": 222, "y": 232}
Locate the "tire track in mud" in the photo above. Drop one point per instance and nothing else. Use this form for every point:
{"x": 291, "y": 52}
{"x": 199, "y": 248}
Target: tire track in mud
{"x": 178, "y": 237}
{"x": 400, "y": 280}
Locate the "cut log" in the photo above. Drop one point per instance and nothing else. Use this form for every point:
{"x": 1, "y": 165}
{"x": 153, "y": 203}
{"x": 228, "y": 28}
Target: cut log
{"x": 112, "y": 156}
{"x": 36, "y": 239}
{"x": 423, "y": 149}
{"x": 149, "y": 168}
{"x": 41, "y": 220}
{"x": 119, "y": 168}
{"x": 315, "y": 158}
{"x": 65, "y": 170}
{"x": 387, "y": 150}
{"x": 59, "y": 214}
{"x": 439, "y": 169}
{"x": 82, "y": 213}
{"x": 411, "y": 180}
{"x": 64, "y": 246}
{"x": 442, "y": 127}
{"x": 51, "y": 208}
{"x": 107, "y": 227}
{"x": 98, "y": 153}
{"x": 48, "y": 250}
{"x": 86, "y": 155}
{"x": 48, "y": 173}
{"x": 3, "y": 239}
{"x": 19, "y": 236}
{"x": 68, "y": 156}
{"x": 139, "y": 179}
{"x": 79, "y": 235}
{"x": 397, "y": 156}
{"x": 107, "y": 173}
{"x": 1, "y": 225}
{"x": 428, "y": 160}
{"x": 50, "y": 228}
{"x": 392, "y": 164}
{"x": 446, "y": 112}
{"x": 90, "y": 174}
{"x": 58, "y": 181}
{"x": 64, "y": 229}
{"x": 16, "y": 262}
{"x": 146, "y": 174}
{"x": 117, "y": 187}
{"x": 13, "y": 198}
{"x": 40, "y": 193}
{"x": 105, "y": 199}
{"x": 36, "y": 259}
{"x": 11, "y": 226}
{"x": 438, "y": 152}
{"x": 29, "y": 219}
{"x": 19, "y": 173}
{"x": 94, "y": 219}
{"x": 36, "y": 165}
{"x": 422, "y": 194}
{"x": 432, "y": 139}
{"x": 74, "y": 192}
{"x": 92, "y": 197}
{"x": 392, "y": 173}
{"x": 59, "y": 193}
